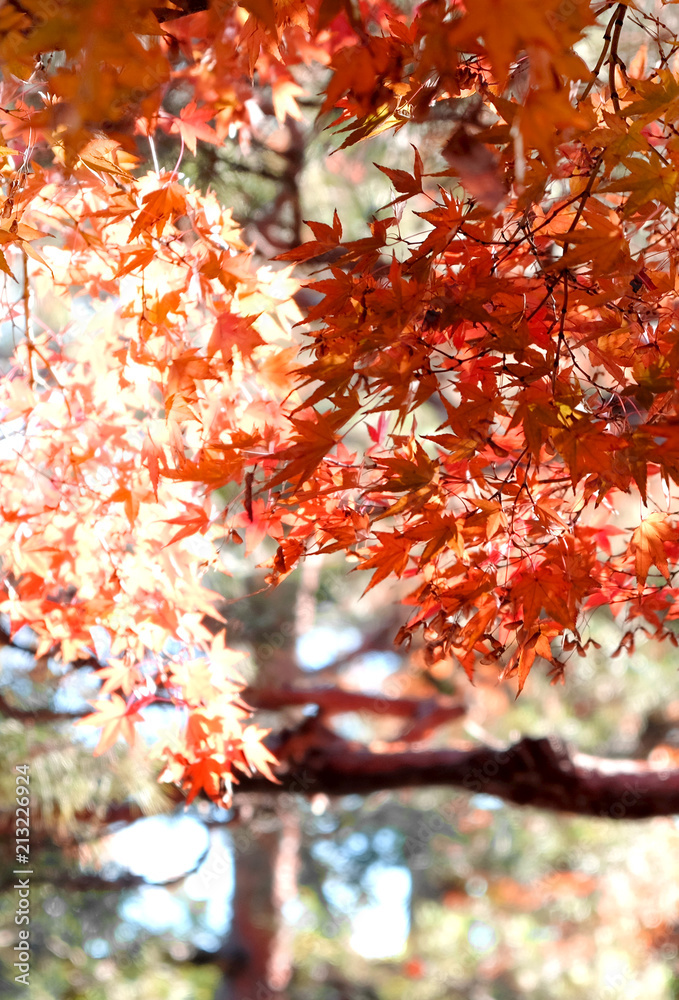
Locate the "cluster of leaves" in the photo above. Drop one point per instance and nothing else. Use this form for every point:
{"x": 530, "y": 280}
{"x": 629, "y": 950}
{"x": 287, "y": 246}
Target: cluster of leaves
{"x": 535, "y": 315}
{"x": 94, "y": 521}
{"x": 539, "y": 315}
{"x": 105, "y": 443}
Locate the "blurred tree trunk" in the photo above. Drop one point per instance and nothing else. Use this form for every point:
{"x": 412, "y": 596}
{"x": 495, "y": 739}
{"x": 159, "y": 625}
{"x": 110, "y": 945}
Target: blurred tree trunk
{"x": 258, "y": 950}
{"x": 257, "y": 957}
{"x": 258, "y": 953}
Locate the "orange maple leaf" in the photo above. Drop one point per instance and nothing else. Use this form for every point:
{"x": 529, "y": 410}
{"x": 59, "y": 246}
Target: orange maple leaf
{"x": 192, "y": 125}
{"x": 231, "y": 331}
{"x": 648, "y": 546}
{"x": 206, "y": 774}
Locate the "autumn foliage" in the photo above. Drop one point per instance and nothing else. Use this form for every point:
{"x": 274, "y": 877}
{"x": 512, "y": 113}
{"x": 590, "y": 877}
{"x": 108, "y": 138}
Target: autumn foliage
{"x": 521, "y": 284}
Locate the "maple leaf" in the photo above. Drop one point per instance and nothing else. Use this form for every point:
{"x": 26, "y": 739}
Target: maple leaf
{"x": 196, "y": 520}
{"x": 508, "y": 26}
{"x": 231, "y": 331}
{"x": 648, "y": 546}
{"x": 119, "y": 675}
{"x": 116, "y": 719}
{"x": 199, "y": 727}
{"x": 526, "y": 657}
{"x": 328, "y": 11}
{"x": 406, "y": 184}
{"x": 204, "y": 397}
{"x": 602, "y": 244}
{"x": 477, "y": 166}
{"x": 259, "y": 522}
{"x": 391, "y": 557}
{"x": 195, "y": 678}
{"x": 373, "y": 124}
{"x": 224, "y": 660}
{"x": 256, "y": 756}
{"x": 129, "y": 499}
{"x": 316, "y": 436}
{"x": 530, "y": 645}
{"x": 192, "y": 125}
{"x": 104, "y": 155}
{"x": 264, "y": 11}
{"x": 204, "y": 774}
{"x": 326, "y": 238}
{"x": 283, "y": 95}
{"x": 160, "y": 207}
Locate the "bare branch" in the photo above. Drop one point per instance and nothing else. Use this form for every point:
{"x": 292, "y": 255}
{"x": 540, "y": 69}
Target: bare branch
{"x": 533, "y": 772}
{"x": 540, "y": 773}
{"x": 91, "y": 882}
{"x": 32, "y": 716}
{"x": 54, "y": 828}
{"x": 333, "y": 701}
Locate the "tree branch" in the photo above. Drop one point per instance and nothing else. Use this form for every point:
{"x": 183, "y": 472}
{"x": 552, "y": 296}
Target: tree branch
{"x": 32, "y": 716}
{"x": 540, "y": 773}
{"x": 333, "y": 701}
{"x": 88, "y": 882}
{"x": 46, "y": 828}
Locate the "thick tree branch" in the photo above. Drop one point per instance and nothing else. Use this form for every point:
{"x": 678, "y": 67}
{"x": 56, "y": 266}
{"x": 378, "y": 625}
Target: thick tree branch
{"x": 540, "y": 773}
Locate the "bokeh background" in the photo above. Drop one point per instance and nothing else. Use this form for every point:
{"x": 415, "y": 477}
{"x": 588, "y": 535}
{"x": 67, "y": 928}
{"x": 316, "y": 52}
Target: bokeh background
{"x": 428, "y": 894}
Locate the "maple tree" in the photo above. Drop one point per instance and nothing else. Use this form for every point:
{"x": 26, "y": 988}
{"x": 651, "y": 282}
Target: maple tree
{"x": 520, "y": 285}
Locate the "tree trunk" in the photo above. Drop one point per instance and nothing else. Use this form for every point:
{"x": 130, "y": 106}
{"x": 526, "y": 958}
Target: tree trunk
{"x": 257, "y": 956}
